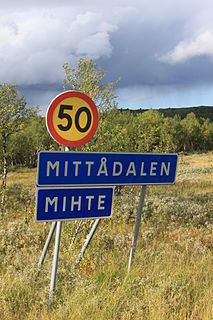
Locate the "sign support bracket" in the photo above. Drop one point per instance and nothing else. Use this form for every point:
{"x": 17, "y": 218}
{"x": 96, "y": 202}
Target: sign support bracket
{"x": 88, "y": 239}
{"x": 46, "y": 246}
{"x": 137, "y": 226}
{"x": 75, "y": 235}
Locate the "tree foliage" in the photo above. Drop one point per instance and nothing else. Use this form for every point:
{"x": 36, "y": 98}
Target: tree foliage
{"x": 117, "y": 132}
{"x": 12, "y": 109}
{"x": 25, "y": 145}
{"x": 88, "y": 78}
{"x": 23, "y": 132}
{"x": 12, "y": 113}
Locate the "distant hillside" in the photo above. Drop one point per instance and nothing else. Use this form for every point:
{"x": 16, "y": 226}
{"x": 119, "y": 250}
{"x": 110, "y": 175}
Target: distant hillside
{"x": 200, "y": 112}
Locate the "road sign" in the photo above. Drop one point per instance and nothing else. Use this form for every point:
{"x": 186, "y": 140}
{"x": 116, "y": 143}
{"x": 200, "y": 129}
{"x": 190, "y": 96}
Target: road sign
{"x": 72, "y": 118}
{"x": 54, "y": 204}
{"x": 94, "y": 168}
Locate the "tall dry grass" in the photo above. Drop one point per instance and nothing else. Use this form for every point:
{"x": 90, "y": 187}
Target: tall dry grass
{"x": 172, "y": 274}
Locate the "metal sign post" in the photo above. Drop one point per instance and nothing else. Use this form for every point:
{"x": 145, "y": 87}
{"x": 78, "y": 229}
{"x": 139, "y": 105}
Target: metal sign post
{"x": 72, "y": 120}
{"x": 55, "y": 257}
{"x": 137, "y": 226}
{"x": 55, "y": 261}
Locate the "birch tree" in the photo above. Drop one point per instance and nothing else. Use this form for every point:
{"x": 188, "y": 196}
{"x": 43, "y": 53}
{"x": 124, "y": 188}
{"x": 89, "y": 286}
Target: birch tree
{"x": 12, "y": 112}
{"x": 88, "y": 78}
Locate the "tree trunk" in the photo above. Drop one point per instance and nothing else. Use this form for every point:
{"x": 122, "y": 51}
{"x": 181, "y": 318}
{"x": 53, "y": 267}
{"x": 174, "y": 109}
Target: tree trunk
{"x": 4, "y": 149}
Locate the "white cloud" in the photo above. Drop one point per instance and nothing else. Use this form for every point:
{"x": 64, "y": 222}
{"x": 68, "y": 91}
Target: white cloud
{"x": 185, "y": 50}
{"x": 95, "y": 45}
{"x": 34, "y": 44}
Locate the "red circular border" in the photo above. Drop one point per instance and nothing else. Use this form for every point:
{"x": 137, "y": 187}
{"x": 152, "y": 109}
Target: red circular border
{"x": 49, "y": 118}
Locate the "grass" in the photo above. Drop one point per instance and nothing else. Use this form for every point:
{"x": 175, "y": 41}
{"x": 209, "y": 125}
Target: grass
{"x": 24, "y": 176}
{"x": 171, "y": 277}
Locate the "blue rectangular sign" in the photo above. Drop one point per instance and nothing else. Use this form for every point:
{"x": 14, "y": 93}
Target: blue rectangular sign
{"x": 58, "y": 204}
{"x": 96, "y": 168}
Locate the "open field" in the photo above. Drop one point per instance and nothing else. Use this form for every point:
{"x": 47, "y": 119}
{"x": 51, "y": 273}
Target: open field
{"x": 172, "y": 274}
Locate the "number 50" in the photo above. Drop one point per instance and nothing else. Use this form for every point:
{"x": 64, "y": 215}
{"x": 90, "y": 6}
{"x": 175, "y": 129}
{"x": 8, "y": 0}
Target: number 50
{"x": 62, "y": 114}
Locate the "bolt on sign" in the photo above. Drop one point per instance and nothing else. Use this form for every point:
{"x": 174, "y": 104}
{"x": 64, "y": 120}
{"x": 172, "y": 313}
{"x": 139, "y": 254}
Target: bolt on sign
{"x": 72, "y": 118}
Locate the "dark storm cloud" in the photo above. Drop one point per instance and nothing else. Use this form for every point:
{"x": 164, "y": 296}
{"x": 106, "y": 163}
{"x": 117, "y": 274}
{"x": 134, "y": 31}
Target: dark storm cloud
{"x": 135, "y": 57}
{"x": 150, "y": 44}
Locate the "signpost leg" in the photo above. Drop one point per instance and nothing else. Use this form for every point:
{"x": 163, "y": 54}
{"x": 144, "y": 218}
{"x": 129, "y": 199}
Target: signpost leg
{"x": 75, "y": 235}
{"x": 46, "y": 246}
{"x": 137, "y": 226}
{"x": 55, "y": 261}
{"x": 88, "y": 239}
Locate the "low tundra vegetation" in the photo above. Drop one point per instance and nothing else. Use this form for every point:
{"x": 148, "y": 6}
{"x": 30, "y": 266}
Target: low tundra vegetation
{"x": 171, "y": 276}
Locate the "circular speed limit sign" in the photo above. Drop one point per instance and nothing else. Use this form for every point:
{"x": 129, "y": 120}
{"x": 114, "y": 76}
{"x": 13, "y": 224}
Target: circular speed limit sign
{"x": 72, "y": 118}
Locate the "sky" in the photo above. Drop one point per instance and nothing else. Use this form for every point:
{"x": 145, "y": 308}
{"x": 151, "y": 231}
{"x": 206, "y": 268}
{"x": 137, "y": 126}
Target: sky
{"x": 161, "y": 49}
